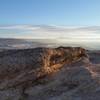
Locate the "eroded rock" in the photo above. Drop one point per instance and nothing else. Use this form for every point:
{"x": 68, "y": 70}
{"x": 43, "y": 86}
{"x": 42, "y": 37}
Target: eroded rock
{"x": 48, "y": 74}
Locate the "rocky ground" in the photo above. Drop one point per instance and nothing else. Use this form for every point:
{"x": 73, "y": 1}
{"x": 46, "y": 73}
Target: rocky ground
{"x": 64, "y": 73}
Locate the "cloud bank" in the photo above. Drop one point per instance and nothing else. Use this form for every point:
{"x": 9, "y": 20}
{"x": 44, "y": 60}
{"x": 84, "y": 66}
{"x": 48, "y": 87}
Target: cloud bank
{"x": 60, "y": 33}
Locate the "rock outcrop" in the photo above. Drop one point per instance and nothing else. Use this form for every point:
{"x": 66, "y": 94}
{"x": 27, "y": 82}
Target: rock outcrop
{"x": 18, "y": 66}
{"x": 47, "y": 74}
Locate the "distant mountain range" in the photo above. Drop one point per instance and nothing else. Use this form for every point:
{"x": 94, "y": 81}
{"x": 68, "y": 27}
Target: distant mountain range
{"x": 9, "y": 43}
{"x": 12, "y": 43}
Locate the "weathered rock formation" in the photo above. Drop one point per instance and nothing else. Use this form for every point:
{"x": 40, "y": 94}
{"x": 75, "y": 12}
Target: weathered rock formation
{"x": 59, "y": 72}
{"x": 18, "y": 66}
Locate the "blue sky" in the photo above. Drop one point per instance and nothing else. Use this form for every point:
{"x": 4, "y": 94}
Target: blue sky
{"x": 50, "y": 12}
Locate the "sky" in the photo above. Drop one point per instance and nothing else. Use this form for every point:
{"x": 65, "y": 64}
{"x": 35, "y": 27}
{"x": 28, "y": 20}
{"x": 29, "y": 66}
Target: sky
{"x": 48, "y": 12}
{"x": 64, "y": 20}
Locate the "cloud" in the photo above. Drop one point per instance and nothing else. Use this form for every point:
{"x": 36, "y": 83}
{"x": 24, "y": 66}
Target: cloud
{"x": 18, "y": 27}
{"x": 61, "y": 33}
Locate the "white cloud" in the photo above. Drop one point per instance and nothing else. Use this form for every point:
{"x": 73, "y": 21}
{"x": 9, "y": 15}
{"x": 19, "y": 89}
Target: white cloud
{"x": 63, "y": 33}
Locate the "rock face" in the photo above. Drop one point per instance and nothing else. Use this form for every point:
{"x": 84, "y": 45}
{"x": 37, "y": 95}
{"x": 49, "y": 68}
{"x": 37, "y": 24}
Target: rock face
{"x": 59, "y": 72}
{"x": 19, "y": 66}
